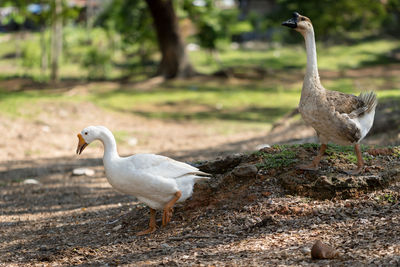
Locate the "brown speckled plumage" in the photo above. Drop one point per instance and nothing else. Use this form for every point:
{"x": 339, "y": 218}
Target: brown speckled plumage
{"x": 343, "y": 103}
{"x": 332, "y": 114}
{"x": 336, "y": 117}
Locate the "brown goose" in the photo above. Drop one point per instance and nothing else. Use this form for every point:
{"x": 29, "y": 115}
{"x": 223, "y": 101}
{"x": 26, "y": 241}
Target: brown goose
{"x": 336, "y": 117}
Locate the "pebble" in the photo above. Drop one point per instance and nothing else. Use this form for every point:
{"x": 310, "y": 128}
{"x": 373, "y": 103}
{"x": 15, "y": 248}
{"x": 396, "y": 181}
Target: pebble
{"x": 83, "y": 171}
{"x": 322, "y": 251}
{"x": 31, "y": 181}
{"x": 133, "y": 141}
{"x": 305, "y": 250}
{"x": 259, "y": 147}
{"x": 46, "y": 129}
{"x": 165, "y": 245}
{"x": 43, "y": 248}
{"x": 116, "y": 228}
{"x": 245, "y": 171}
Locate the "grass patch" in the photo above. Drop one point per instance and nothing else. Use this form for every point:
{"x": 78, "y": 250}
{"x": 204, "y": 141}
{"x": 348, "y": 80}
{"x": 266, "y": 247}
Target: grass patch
{"x": 345, "y": 152}
{"x": 272, "y": 57}
{"x": 250, "y": 103}
{"x": 283, "y": 158}
{"x": 188, "y": 100}
{"x": 389, "y": 198}
{"x": 336, "y": 58}
{"x": 26, "y": 104}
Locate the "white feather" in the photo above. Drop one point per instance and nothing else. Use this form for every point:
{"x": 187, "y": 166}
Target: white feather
{"x": 364, "y": 123}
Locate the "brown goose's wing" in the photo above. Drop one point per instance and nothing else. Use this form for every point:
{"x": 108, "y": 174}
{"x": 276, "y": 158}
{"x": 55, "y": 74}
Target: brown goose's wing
{"x": 344, "y": 103}
{"x": 347, "y": 129}
{"x": 342, "y": 108}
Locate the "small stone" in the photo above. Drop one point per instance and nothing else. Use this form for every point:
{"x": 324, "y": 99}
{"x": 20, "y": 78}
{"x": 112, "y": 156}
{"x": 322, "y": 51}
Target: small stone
{"x": 43, "y": 248}
{"x": 46, "y": 129}
{"x": 31, "y": 181}
{"x": 116, "y": 228}
{"x": 324, "y": 181}
{"x": 305, "y": 250}
{"x": 83, "y": 171}
{"x": 262, "y": 146}
{"x": 245, "y": 171}
{"x": 132, "y": 141}
{"x": 322, "y": 251}
{"x": 165, "y": 246}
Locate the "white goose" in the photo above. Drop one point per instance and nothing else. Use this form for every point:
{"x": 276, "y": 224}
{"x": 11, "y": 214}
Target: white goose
{"x": 155, "y": 180}
{"x": 336, "y": 117}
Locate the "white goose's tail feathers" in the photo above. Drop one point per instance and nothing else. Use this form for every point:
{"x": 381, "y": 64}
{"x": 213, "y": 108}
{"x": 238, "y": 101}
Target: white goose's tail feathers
{"x": 369, "y": 100}
{"x": 197, "y": 175}
{"x": 201, "y": 175}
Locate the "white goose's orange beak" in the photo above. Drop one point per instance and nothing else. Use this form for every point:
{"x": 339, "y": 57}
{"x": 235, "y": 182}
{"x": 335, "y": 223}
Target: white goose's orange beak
{"x": 81, "y": 144}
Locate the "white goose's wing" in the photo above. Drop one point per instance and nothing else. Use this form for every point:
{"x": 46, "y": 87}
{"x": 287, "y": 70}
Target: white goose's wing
{"x": 163, "y": 166}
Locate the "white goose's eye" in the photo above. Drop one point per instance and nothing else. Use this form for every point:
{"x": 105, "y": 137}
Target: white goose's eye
{"x": 86, "y": 133}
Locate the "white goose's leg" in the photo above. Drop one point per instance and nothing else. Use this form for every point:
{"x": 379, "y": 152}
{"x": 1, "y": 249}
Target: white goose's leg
{"x": 313, "y": 166}
{"x": 360, "y": 161}
{"x": 152, "y": 224}
{"x": 168, "y": 208}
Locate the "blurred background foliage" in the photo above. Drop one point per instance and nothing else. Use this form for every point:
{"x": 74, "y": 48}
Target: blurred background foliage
{"x": 115, "y": 39}
{"x": 57, "y": 53}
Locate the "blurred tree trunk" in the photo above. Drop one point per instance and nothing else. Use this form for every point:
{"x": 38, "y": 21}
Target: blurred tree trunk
{"x": 56, "y": 40}
{"x": 174, "y": 62}
{"x": 43, "y": 63}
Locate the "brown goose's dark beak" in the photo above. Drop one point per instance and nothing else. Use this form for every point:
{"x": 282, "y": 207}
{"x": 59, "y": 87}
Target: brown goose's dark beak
{"x": 292, "y": 23}
{"x": 81, "y": 144}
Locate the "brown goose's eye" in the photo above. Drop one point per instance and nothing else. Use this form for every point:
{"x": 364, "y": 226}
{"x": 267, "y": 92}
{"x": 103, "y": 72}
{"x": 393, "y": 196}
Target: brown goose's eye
{"x": 303, "y": 19}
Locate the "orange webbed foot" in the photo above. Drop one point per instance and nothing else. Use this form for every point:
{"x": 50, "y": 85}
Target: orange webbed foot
{"x": 308, "y": 167}
{"x": 147, "y": 231}
{"x": 168, "y": 208}
{"x": 357, "y": 171}
{"x": 166, "y": 216}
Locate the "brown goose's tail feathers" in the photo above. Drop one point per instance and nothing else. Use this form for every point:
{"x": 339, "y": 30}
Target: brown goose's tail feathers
{"x": 369, "y": 100}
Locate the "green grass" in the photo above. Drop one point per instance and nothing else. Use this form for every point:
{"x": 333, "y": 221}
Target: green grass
{"x": 388, "y": 197}
{"x": 336, "y": 58}
{"x": 283, "y": 158}
{"x": 256, "y": 103}
{"x": 272, "y": 57}
{"x": 202, "y": 101}
{"x": 26, "y": 104}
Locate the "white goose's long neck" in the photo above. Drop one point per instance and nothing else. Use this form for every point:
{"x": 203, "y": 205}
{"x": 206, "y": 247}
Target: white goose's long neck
{"x": 110, "y": 146}
{"x": 312, "y": 74}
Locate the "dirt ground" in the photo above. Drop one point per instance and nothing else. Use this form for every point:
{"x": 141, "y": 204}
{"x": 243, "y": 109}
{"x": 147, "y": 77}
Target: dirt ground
{"x": 245, "y": 216}
{"x": 236, "y": 219}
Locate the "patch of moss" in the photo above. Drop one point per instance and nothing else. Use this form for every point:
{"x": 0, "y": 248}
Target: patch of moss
{"x": 390, "y": 198}
{"x": 396, "y": 151}
{"x": 344, "y": 152}
{"x": 310, "y": 145}
{"x": 283, "y": 158}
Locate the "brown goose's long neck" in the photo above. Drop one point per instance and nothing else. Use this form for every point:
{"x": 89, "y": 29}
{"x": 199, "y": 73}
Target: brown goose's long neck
{"x": 312, "y": 66}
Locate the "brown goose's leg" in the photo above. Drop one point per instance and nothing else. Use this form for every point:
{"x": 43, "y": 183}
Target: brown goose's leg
{"x": 168, "y": 209}
{"x": 313, "y": 166}
{"x": 152, "y": 224}
{"x": 360, "y": 161}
